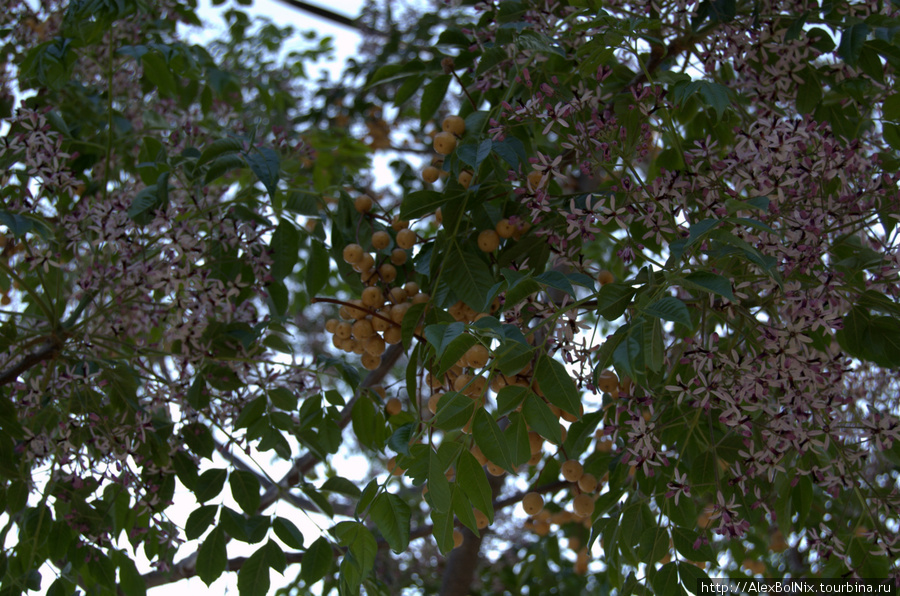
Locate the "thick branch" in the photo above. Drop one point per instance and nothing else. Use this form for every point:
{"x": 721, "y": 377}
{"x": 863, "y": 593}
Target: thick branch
{"x": 45, "y": 353}
{"x": 321, "y": 12}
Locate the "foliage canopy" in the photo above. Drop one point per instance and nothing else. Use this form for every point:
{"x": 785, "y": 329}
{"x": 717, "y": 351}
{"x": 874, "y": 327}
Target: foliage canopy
{"x": 646, "y": 286}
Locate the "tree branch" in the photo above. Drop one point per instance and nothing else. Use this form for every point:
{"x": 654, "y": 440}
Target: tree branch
{"x": 45, "y": 353}
{"x": 323, "y": 13}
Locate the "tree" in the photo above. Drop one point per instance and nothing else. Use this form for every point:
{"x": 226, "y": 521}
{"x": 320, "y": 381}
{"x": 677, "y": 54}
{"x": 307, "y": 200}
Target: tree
{"x": 645, "y": 292}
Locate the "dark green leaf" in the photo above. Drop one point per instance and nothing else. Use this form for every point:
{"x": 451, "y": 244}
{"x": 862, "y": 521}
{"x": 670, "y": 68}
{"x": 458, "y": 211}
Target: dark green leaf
{"x": 613, "y": 299}
{"x": 391, "y": 515}
{"x": 438, "y": 485}
{"x": 265, "y": 163}
{"x": 318, "y": 268}
{"x": 399, "y": 441}
{"x": 489, "y": 438}
{"x": 711, "y": 282}
{"x": 421, "y": 203}
{"x": 253, "y": 577}
{"x": 670, "y": 309}
{"x": 852, "y": 40}
{"x": 556, "y": 385}
{"x": 442, "y": 528}
{"x": 469, "y": 276}
{"x": 199, "y": 520}
{"x": 317, "y": 561}
{"x": 509, "y": 398}
{"x": 471, "y": 478}
{"x": 665, "y": 581}
{"x": 517, "y": 439}
{"x": 432, "y": 97}
{"x": 454, "y": 410}
{"x": 245, "y": 490}
{"x": 212, "y": 556}
{"x": 219, "y": 147}
{"x": 210, "y": 484}
{"x": 288, "y": 532}
{"x": 285, "y": 247}
{"x": 541, "y": 419}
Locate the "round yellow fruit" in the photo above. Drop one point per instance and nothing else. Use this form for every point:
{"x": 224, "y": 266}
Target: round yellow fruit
{"x": 488, "y": 241}
{"x": 430, "y": 174}
{"x": 572, "y": 470}
{"x": 363, "y": 203}
{"x": 353, "y": 253}
{"x": 444, "y": 143}
{"x": 393, "y": 407}
{"x": 465, "y": 178}
{"x": 605, "y": 277}
{"x": 406, "y": 238}
{"x": 454, "y": 125}
{"x": 583, "y": 505}
{"x": 532, "y": 503}
{"x": 381, "y": 240}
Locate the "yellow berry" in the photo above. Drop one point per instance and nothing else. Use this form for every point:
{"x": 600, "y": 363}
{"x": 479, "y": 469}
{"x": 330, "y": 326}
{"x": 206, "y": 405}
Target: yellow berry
{"x": 477, "y": 356}
{"x": 398, "y": 256}
{"x": 363, "y": 203}
{"x": 454, "y": 125}
{"x": 387, "y": 272}
{"x": 481, "y": 520}
{"x": 398, "y": 224}
{"x": 532, "y": 503}
{"x": 536, "y": 180}
{"x": 583, "y": 505}
{"x": 430, "y": 174}
{"x": 370, "y": 362}
{"x": 353, "y": 253}
{"x": 608, "y": 382}
{"x": 505, "y": 229}
{"x": 381, "y": 240}
{"x": 572, "y": 470}
{"x": 605, "y": 277}
{"x": 465, "y": 178}
{"x": 406, "y": 238}
{"x": 488, "y": 241}
{"x": 373, "y": 297}
{"x": 444, "y": 143}
{"x": 375, "y": 345}
{"x": 457, "y": 538}
{"x": 587, "y": 483}
{"x": 393, "y": 407}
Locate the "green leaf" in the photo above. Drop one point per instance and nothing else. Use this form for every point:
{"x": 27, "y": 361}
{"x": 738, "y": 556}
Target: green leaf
{"x": 253, "y": 578}
{"x": 212, "y": 556}
{"x": 433, "y": 96}
{"x": 438, "y": 485}
{"x": 509, "y": 398}
{"x": 341, "y": 485}
{"x": 245, "y": 490}
{"x": 489, "y": 438}
{"x": 665, "y": 581}
{"x": 511, "y": 356}
{"x": 318, "y": 268}
{"x": 265, "y": 163}
{"x": 809, "y": 93}
{"x": 463, "y": 509}
{"x": 556, "y": 385}
{"x": 219, "y": 147}
{"x": 890, "y": 109}
{"x": 691, "y": 576}
{"x": 628, "y": 357}
{"x": 710, "y": 282}
{"x": 454, "y": 410}
{"x": 421, "y": 203}
{"x": 399, "y": 441}
{"x": 852, "y": 40}
{"x": 684, "y": 541}
{"x": 199, "y": 520}
{"x": 392, "y": 517}
{"x": 613, "y": 299}
{"x": 223, "y": 164}
{"x": 541, "y": 419}
{"x": 802, "y": 498}
{"x": 368, "y": 425}
{"x": 285, "y": 247}
{"x": 517, "y": 440}
{"x": 670, "y": 309}
{"x": 442, "y": 528}
{"x": 131, "y": 582}
{"x": 471, "y": 477}
{"x": 317, "y": 561}
{"x": 454, "y": 351}
{"x": 288, "y": 533}
{"x": 275, "y": 557}
{"x": 469, "y": 276}
{"x": 210, "y": 484}
{"x": 362, "y": 544}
